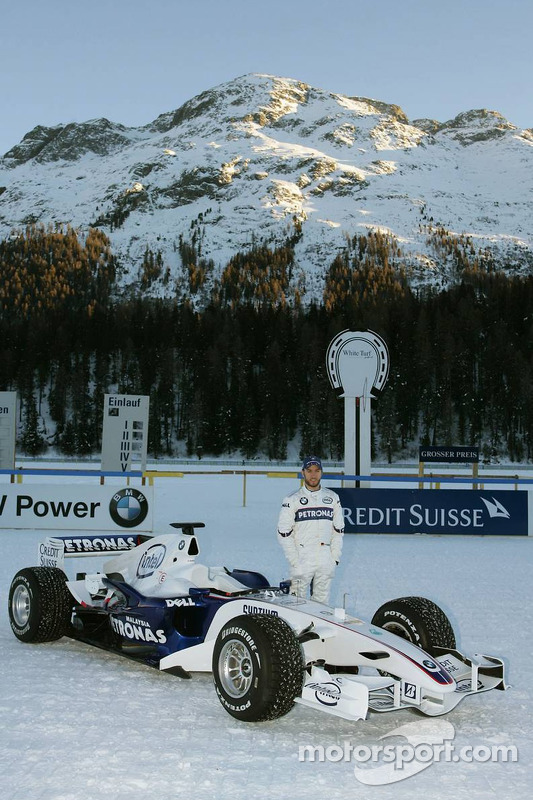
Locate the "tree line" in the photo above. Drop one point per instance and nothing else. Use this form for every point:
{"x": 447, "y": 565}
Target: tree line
{"x": 244, "y": 374}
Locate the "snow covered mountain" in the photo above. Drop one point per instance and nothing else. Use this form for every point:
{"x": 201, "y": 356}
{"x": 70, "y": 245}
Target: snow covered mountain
{"x": 251, "y": 161}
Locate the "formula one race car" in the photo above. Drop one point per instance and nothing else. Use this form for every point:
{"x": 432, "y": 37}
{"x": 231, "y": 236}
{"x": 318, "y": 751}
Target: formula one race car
{"x": 266, "y": 647}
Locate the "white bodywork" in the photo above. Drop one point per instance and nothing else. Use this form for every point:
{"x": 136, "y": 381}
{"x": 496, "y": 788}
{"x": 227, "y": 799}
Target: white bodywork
{"x": 414, "y": 679}
{"x": 393, "y": 673}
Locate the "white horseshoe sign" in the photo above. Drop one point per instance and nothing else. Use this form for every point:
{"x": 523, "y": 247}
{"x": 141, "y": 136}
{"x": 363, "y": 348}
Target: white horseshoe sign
{"x": 358, "y": 363}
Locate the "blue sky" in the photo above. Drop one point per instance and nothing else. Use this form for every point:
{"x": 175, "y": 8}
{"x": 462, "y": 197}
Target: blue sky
{"x": 130, "y": 60}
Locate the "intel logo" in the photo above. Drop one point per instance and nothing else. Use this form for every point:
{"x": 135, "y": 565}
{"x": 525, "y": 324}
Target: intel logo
{"x": 150, "y": 560}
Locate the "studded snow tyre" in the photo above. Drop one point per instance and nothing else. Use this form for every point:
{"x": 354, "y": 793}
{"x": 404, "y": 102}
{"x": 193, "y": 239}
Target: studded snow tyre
{"x": 417, "y": 619}
{"x": 258, "y": 667}
{"x": 39, "y": 604}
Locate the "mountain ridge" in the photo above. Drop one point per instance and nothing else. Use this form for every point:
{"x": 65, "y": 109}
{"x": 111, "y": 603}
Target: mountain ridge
{"x": 254, "y": 159}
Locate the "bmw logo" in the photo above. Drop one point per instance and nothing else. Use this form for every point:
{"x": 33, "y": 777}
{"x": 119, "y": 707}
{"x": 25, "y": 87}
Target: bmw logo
{"x": 128, "y": 508}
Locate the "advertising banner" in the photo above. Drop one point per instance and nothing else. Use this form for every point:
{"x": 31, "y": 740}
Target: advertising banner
{"x": 80, "y": 508}
{"x": 443, "y": 511}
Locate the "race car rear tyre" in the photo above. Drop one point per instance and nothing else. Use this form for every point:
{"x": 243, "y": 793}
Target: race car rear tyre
{"x": 417, "y": 619}
{"x": 258, "y": 667}
{"x": 39, "y": 604}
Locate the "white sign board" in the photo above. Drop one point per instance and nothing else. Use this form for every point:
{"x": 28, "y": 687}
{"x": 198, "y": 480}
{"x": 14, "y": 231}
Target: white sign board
{"x": 76, "y": 507}
{"x": 358, "y": 363}
{"x": 8, "y": 425}
{"x": 125, "y": 432}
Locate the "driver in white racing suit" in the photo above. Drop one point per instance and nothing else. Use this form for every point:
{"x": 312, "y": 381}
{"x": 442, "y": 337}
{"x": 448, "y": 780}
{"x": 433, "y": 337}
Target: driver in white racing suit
{"x": 310, "y": 531}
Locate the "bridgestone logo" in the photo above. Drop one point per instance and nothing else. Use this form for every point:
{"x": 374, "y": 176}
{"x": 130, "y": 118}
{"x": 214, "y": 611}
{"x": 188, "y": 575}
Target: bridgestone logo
{"x": 240, "y": 632}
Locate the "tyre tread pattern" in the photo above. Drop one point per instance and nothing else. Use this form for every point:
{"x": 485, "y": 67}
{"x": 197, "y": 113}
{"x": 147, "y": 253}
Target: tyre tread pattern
{"x": 287, "y": 665}
{"x": 280, "y": 677}
{"x": 438, "y": 629}
{"x": 52, "y": 603}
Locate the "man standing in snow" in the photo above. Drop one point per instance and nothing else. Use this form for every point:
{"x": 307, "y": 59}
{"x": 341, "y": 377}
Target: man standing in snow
{"x": 310, "y": 531}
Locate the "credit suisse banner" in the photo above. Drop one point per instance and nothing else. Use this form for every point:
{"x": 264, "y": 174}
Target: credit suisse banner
{"x": 76, "y": 507}
{"x": 452, "y": 511}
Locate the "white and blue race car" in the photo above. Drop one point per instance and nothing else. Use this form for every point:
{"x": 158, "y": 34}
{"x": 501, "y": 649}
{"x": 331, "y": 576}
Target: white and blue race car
{"x": 266, "y": 648}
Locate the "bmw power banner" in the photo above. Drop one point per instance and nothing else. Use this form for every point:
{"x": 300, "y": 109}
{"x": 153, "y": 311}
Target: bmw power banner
{"x": 499, "y": 513}
{"x": 76, "y": 507}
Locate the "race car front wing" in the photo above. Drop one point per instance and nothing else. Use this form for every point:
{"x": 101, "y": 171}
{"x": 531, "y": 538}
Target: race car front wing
{"x": 352, "y": 696}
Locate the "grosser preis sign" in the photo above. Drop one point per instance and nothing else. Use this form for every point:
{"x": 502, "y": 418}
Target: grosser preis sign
{"x": 450, "y": 455}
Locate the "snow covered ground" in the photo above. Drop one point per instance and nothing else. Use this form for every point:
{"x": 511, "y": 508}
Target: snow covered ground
{"x": 80, "y": 724}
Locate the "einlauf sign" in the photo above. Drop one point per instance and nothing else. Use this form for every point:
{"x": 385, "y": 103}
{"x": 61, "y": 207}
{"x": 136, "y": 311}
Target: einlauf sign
{"x": 125, "y": 432}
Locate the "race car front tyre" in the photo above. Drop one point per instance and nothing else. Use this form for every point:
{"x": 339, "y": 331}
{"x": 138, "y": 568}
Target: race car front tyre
{"x": 417, "y": 619}
{"x": 39, "y": 604}
{"x": 258, "y": 667}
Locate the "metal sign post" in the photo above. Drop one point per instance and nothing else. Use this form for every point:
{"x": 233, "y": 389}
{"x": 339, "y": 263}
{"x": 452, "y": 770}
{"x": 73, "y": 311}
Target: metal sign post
{"x": 358, "y": 363}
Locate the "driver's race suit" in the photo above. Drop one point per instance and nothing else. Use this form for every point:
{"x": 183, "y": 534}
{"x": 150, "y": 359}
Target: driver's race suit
{"x": 310, "y": 531}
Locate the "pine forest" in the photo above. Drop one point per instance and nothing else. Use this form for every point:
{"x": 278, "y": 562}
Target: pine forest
{"x": 235, "y": 365}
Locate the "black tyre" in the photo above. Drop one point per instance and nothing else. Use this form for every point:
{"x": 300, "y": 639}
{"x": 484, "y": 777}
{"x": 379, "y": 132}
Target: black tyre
{"x": 39, "y": 604}
{"x": 258, "y": 667}
{"x": 417, "y": 619}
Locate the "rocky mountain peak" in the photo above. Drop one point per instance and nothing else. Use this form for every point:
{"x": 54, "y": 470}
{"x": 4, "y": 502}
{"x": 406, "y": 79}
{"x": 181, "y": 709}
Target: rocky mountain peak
{"x": 255, "y": 159}
{"x": 477, "y": 125}
{"x": 69, "y": 142}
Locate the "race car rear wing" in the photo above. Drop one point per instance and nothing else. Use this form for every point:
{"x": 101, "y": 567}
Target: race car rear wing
{"x": 54, "y": 549}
